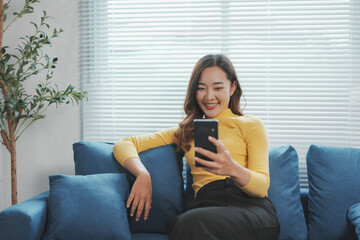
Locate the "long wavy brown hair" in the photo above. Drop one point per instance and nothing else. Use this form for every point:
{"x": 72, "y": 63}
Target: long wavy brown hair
{"x": 184, "y": 134}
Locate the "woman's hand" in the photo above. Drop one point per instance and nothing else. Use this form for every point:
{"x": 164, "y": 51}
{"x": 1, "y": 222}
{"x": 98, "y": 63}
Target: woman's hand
{"x": 223, "y": 164}
{"x": 140, "y": 196}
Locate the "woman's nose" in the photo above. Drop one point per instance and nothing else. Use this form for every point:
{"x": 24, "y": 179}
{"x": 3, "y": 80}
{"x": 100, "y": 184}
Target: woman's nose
{"x": 209, "y": 95}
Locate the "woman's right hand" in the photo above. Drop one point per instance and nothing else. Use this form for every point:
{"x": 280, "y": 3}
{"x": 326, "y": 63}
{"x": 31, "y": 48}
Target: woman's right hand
{"x": 140, "y": 196}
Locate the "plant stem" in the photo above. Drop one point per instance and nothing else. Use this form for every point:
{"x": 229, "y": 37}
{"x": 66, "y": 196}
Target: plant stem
{"x": 11, "y": 23}
{"x": 1, "y": 23}
{"x": 8, "y": 3}
{"x": 3, "y": 123}
{"x": 15, "y": 18}
{"x": 22, "y": 123}
{"x": 13, "y": 167}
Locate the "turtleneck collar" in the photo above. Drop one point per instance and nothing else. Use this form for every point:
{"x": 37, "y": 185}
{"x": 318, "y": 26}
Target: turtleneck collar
{"x": 226, "y": 113}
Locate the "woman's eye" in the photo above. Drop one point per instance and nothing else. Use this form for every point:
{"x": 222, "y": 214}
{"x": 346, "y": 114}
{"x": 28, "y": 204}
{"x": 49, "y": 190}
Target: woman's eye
{"x": 219, "y": 88}
{"x": 200, "y": 88}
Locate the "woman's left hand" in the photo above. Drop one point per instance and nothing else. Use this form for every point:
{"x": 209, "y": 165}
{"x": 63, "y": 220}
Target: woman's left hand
{"x": 222, "y": 163}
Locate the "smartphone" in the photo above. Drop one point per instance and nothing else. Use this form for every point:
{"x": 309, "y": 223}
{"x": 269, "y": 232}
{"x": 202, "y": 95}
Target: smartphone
{"x": 203, "y": 128}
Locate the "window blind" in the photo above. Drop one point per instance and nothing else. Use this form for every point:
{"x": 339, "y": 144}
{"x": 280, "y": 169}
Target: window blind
{"x": 298, "y": 63}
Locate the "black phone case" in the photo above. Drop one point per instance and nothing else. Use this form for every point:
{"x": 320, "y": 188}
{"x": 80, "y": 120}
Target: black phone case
{"x": 203, "y": 128}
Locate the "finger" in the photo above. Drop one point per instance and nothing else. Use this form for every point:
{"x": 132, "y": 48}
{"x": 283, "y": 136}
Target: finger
{"x": 139, "y": 210}
{"x": 147, "y": 209}
{"x": 134, "y": 206}
{"x": 206, "y": 163}
{"x": 130, "y": 199}
{"x": 206, "y": 153}
{"x": 218, "y": 143}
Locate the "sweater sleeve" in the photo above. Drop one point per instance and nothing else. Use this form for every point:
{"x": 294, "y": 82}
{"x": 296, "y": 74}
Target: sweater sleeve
{"x": 258, "y": 158}
{"x": 130, "y": 147}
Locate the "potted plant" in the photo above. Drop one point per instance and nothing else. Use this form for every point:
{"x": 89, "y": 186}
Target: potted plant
{"x": 28, "y": 61}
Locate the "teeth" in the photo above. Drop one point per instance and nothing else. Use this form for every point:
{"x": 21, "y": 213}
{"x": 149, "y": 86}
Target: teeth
{"x": 211, "y": 105}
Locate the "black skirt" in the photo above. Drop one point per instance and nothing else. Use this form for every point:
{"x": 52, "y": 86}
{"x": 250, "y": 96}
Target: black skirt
{"x": 222, "y": 211}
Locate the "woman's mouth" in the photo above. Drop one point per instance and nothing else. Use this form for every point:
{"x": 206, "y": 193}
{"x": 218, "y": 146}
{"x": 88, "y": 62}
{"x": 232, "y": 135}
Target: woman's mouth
{"x": 211, "y": 106}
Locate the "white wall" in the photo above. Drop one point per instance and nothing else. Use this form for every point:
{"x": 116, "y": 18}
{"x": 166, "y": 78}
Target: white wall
{"x": 46, "y": 147}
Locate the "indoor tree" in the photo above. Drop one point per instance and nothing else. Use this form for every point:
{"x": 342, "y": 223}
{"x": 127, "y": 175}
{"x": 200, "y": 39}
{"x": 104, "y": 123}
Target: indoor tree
{"x": 23, "y": 63}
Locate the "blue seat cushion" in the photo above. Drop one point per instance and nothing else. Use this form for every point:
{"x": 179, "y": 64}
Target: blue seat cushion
{"x": 284, "y": 192}
{"x": 88, "y": 207}
{"x": 334, "y": 183}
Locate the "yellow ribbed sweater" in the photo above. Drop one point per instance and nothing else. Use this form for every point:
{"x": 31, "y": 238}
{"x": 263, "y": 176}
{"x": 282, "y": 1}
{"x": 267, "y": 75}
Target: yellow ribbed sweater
{"x": 244, "y": 136}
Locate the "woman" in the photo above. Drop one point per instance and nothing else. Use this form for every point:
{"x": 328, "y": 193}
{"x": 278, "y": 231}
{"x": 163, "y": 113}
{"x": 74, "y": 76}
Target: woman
{"x": 230, "y": 191}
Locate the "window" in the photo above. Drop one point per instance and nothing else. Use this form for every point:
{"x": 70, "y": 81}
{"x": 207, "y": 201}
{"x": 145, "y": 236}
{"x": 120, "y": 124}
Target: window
{"x": 298, "y": 63}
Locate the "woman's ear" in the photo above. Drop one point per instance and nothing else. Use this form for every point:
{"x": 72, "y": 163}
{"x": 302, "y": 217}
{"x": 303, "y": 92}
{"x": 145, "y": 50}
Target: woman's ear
{"x": 233, "y": 87}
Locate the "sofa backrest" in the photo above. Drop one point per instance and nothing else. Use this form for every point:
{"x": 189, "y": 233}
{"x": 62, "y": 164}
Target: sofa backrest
{"x": 164, "y": 165}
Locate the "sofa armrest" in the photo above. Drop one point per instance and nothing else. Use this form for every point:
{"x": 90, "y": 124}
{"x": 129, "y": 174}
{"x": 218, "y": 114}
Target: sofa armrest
{"x": 26, "y": 220}
{"x": 354, "y": 216}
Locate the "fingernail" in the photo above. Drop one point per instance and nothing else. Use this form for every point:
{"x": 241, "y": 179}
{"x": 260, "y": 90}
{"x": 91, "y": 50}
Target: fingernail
{"x": 137, "y": 219}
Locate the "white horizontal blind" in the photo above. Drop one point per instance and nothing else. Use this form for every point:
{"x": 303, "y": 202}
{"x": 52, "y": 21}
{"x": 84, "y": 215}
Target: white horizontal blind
{"x": 298, "y": 63}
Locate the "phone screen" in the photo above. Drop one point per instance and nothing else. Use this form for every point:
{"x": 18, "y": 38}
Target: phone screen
{"x": 203, "y": 128}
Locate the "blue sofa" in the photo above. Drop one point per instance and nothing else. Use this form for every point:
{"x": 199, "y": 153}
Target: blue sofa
{"x": 91, "y": 204}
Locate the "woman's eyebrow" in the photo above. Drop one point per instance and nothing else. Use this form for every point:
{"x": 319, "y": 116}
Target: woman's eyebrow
{"x": 215, "y": 83}
{"x": 218, "y": 83}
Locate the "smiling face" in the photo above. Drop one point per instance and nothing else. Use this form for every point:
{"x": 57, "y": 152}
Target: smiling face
{"x": 214, "y": 91}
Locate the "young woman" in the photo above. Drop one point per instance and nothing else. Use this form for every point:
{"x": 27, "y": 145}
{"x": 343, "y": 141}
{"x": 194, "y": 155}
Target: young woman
{"x": 230, "y": 191}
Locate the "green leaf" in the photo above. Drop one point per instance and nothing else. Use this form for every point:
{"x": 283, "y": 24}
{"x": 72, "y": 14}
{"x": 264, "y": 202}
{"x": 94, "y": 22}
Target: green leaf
{"x": 10, "y": 105}
{"x": 36, "y": 26}
{"x": 9, "y": 69}
{"x": 6, "y": 6}
{"x": 14, "y": 56}
{"x": 27, "y": 76}
{"x": 47, "y": 60}
{"x": 28, "y": 11}
{"x": 24, "y": 116}
{"x": 15, "y": 13}
{"x": 27, "y": 47}
{"x": 4, "y": 17}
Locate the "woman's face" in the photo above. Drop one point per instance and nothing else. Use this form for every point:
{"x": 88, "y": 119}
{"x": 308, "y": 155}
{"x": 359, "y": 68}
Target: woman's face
{"x": 214, "y": 91}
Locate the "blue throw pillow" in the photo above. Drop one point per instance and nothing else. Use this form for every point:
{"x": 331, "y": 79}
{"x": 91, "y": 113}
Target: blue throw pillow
{"x": 95, "y": 157}
{"x": 284, "y": 192}
{"x": 334, "y": 186}
{"x": 165, "y": 168}
{"x": 88, "y": 207}
{"x": 354, "y": 217}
